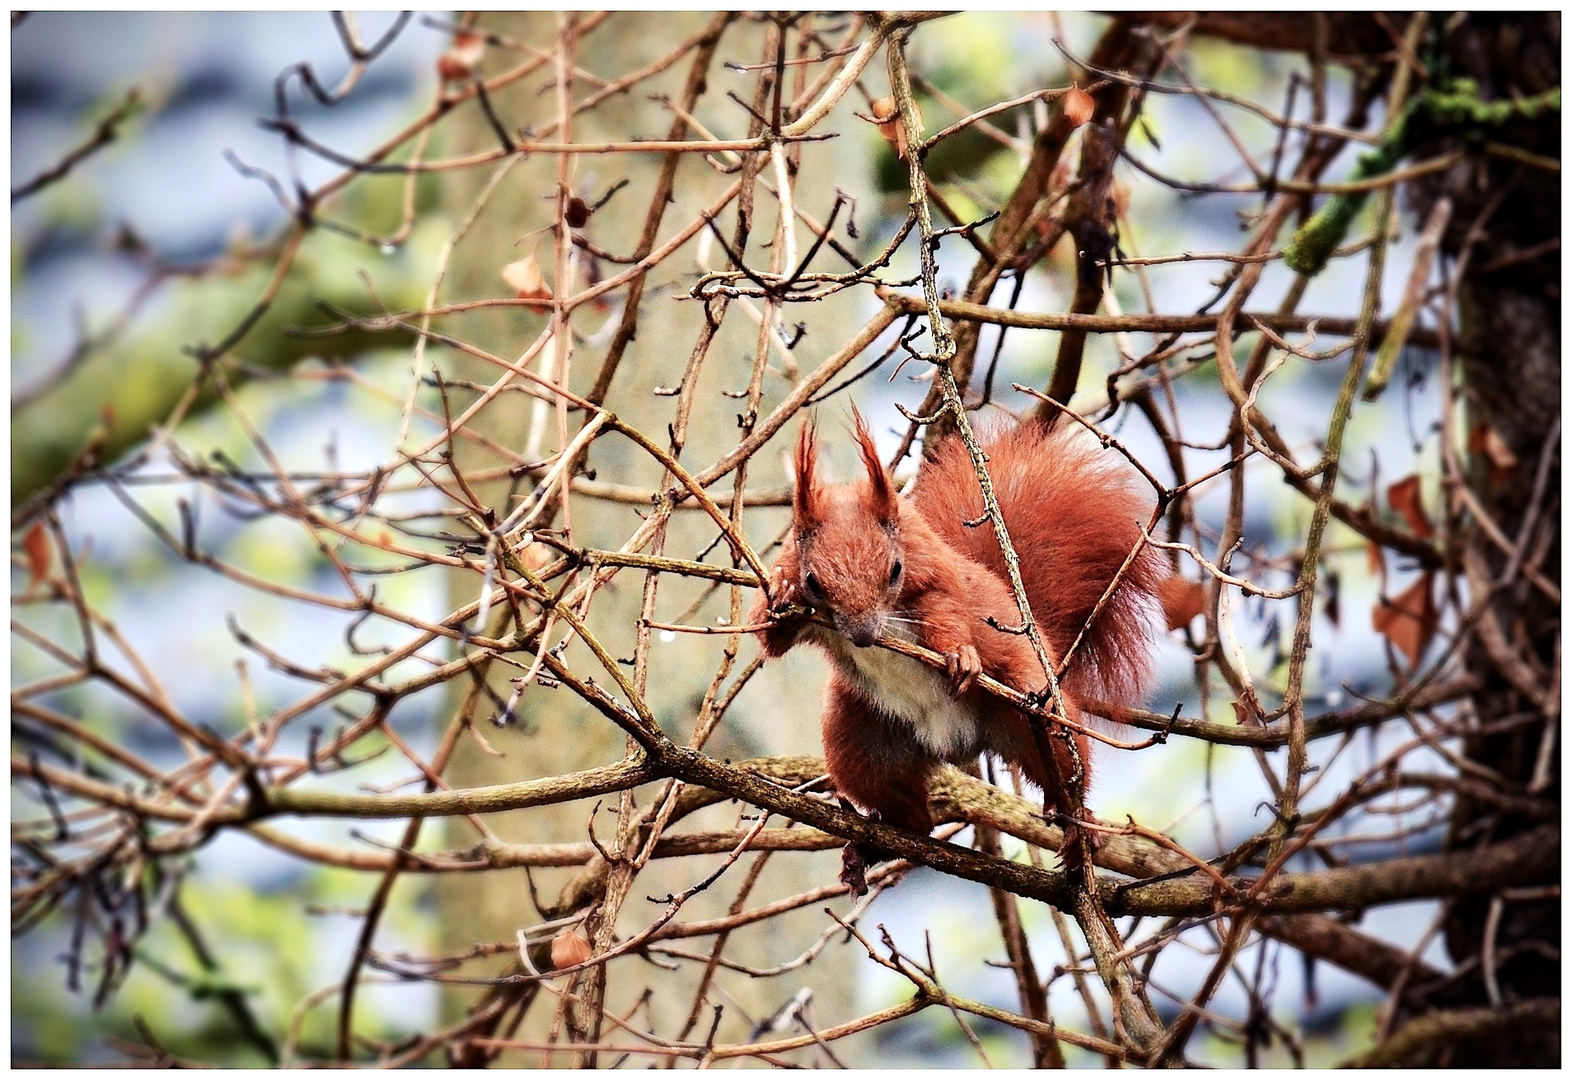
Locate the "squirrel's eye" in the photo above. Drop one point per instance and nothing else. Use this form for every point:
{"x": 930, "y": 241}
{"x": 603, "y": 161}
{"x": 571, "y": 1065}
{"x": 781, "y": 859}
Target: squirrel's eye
{"x": 812, "y": 585}
{"x": 895, "y": 572}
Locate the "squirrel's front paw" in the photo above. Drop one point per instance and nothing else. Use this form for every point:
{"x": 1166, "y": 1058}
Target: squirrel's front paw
{"x": 963, "y": 665}
{"x": 782, "y": 603}
{"x": 785, "y": 596}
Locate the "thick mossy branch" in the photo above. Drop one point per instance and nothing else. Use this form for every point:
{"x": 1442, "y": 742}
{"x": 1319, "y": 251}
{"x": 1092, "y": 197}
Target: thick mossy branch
{"x": 1317, "y": 238}
{"x": 1459, "y": 105}
{"x": 1455, "y": 112}
{"x": 1421, "y": 1042}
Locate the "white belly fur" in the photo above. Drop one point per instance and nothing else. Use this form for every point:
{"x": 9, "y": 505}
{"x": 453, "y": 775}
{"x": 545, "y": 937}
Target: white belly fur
{"x": 911, "y": 691}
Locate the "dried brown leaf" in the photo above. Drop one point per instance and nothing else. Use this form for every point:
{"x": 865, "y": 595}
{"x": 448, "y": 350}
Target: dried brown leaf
{"x": 1486, "y": 440}
{"x": 569, "y": 948}
{"x": 1409, "y": 621}
{"x": 537, "y": 555}
{"x": 888, "y": 116}
{"x": 462, "y": 57}
{"x": 525, "y": 277}
{"x": 1247, "y": 710}
{"x": 1404, "y": 498}
{"x": 1377, "y": 559}
{"x": 36, "y": 544}
{"x": 1078, "y": 106}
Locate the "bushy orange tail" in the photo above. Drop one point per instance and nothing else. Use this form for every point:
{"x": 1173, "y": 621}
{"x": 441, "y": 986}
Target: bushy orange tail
{"x": 1074, "y": 511}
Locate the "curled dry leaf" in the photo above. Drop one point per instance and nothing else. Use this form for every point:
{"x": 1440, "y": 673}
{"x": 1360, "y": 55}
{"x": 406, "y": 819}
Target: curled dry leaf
{"x": 525, "y": 277}
{"x": 1245, "y": 713}
{"x": 568, "y": 949}
{"x": 1404, "y": 498}
{"x": 1375, "y": 554}
{"x": 36, "y": 545}
{"x": 462, "y": 57}
{"x": 1486, "y": 440}
{"x": 1078, "y": 106}
{"x": 888, "y": 116}
{"x": 1409, "y": 621}
{"x": 537, "y": 555}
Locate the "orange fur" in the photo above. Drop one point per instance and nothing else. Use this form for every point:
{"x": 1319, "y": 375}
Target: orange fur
{"x": 876, "y": 563}
{"x": 1073, "y": 511}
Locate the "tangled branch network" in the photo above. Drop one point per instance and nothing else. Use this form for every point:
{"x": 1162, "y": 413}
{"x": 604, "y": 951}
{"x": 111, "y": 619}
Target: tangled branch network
{"x": 573, "y": 310}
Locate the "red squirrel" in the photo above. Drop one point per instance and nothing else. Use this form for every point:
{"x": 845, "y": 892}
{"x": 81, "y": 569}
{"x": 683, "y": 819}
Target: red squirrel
{"x": 875, "y": 562}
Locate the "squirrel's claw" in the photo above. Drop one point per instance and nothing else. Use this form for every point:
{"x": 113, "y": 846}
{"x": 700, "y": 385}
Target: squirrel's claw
{"x": 856, "y": 858}
{"x": 786, "y": 601}
{"x": 854, "y": 869}
{"x": 963, "y": 665}
{"x": 783, "y": 592}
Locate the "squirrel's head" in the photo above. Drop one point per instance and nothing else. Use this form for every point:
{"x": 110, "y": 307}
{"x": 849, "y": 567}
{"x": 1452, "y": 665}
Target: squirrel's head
{"x": 848, "y": 539}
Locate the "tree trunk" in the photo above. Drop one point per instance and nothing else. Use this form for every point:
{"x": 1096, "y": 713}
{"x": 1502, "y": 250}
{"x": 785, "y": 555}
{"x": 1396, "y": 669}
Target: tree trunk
{"x": 1506, "y": 222}
{"x": 556, "y": 732}
{"x": 1509, "y": 313}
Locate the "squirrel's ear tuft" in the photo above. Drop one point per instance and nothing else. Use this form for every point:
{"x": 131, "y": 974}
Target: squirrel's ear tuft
{"x": 807, "y": 502}
{"x": 881, "y": 492}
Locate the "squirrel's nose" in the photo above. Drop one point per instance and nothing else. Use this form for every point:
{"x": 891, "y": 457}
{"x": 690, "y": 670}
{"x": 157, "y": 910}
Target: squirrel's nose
{"x": 861, "y": 633}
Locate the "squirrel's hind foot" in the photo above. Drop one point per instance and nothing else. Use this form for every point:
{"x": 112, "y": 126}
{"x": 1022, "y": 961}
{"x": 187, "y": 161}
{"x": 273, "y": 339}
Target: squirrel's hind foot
{"x": 854, "y": 869}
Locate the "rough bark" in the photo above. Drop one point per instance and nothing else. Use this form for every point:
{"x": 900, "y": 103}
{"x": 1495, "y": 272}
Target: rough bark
{"x": 1506, "y": 215}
